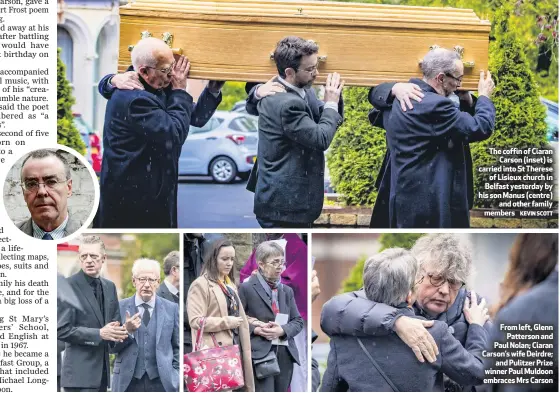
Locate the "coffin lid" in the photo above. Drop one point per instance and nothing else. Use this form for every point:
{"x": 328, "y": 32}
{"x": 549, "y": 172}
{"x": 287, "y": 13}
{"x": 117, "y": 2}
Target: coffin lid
{"x": 315, "y": 12}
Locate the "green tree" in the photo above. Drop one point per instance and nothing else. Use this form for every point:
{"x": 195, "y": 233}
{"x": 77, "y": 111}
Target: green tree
{"x": 152, "y": 246}
{"x": 354, "y": 281}
{"x": 357, "y": 151}
{"x": 520, "y": 116}
{"x": 231, "y": 93}
{"x": 67, "y": 134}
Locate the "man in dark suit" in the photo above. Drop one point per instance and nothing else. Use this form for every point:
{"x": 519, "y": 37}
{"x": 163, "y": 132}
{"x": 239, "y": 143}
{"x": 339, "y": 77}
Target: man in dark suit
{"x": 144, "y": 131}
{"x": 263, "y": 297}
{"x": 89, "y": 333}
{"x": 390, "y": 278}
{"x": 169, "y": 289}
{"x": 46, "y": 179}
{"x": 148, "y": 359}
{"x": 425, "y": 177}
{"x": 290, "y": 181}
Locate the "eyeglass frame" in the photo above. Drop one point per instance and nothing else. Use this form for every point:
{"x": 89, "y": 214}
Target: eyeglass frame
{"x": 445, "y": 280}
{"x": 53, "y": 187}
{"x": 457, "y": 79}
{"x": 143, "y": 280}
{"x": 315, "y": 69}
{"x": 275, "y": 264}
{"x": 167, "y": 70}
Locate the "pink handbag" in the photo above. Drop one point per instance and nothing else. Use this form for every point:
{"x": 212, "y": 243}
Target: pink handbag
{"x": 213, "y": 369}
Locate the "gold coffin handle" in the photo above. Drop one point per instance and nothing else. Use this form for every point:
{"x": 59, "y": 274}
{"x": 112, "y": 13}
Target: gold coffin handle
{"x": 466, "y": 64}
{"x": 166, "y": 37}
{"x": 457, "y": 48}
{"x": 320, "y": 58}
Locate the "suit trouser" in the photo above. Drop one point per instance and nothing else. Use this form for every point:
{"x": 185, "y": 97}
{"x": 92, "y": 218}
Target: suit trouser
{"x": 145, "y": 384}
{"x": 280, "y": 382}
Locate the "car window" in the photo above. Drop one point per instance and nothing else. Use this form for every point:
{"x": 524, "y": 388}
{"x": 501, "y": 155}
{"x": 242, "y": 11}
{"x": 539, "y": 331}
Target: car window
{"x": 244, "y": 124}
{"x": 209, "y": 126}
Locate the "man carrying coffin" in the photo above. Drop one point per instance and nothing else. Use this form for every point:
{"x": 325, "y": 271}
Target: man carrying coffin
{"x": 424, "y": 180}
{"x": 146, "y": 124}
{"x": 289, "y": 187}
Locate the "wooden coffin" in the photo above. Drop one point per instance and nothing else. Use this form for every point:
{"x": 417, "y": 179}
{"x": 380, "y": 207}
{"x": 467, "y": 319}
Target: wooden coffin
{"x": 366, "y": 43}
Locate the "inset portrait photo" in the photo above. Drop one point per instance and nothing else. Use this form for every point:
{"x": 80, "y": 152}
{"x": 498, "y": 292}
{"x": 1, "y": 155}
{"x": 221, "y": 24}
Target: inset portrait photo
{"x": 51, "y": 194}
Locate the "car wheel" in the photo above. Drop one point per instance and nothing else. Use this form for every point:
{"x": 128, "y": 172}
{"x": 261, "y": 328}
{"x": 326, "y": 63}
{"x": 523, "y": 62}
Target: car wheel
{"x": 244, "y": 175}
{"x": 223, "y": 170}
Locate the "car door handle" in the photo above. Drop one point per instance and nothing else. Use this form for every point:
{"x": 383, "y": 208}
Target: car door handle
{"x": 211, "y": 138}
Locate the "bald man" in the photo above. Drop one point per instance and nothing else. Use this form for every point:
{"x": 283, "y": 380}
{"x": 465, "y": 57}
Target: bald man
{"x": 143, "y": 134}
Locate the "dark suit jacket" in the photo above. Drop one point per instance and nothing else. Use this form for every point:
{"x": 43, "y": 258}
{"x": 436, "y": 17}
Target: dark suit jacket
{"x": 347, "y": 361}
{"x": 314, "y": 103}
{"x": 72, "y": 226}
{"x": 167, "y": 346}
{"x": 85, "y": 351}
{"x": 381, "y": 98}
{"x": 539, "y": 305}
{"x": 291, "y": 158}
{"x": 164, "y": 293}
{"x": 143, "y": 136}
{"x": 258, "y": 304}
{"x": 426, "y": 176}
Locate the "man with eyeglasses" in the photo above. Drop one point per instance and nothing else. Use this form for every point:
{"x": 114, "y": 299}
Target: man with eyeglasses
{"x": 264, "y": 297}
{"x": 426, "y": 180}
{"x": 146, "y": 124}
{"x": 88, "y": 333}
{"x": 47, "y": 184}
{"x": 445, "y": 265}
{"x": 289, "y": 185}
{"x": 148, "y": 359}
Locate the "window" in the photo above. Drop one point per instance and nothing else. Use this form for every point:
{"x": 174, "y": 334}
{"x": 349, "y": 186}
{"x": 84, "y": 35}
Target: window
{"x": 66, "y": 44}
{"x": 212, "y": 124}
{"x": 244, "y": 124}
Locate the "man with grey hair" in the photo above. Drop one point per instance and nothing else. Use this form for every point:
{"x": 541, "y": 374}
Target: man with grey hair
{"x": 425, "y": 181}
{"x": 148, "y": 359}
{"x": 389, "y": 279}
{"x": 445, "y": 267}
{"x": 143, "y": 135}
{"x": 46, "y": 184}
{"x": 170, "y": 288}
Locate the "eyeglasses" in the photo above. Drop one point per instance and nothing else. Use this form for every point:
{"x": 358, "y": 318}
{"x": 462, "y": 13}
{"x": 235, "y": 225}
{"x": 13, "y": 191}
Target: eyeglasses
{"x": 164, "y": 70}
{"x": 310, "y": 70}
{"x": 33, "y": 185}
{"x": 276, "y": 263}
{"x": 458, "y": 79}
{"x": 94, "y": 257}
{"x": 438, "y": 280}
{"x": 142, "y": 280}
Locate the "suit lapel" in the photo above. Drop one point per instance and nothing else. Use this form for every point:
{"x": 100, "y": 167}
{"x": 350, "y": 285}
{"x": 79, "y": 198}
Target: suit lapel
{"x": 160, "y": 317}
{"x": 28, "y": 227}
{"x": 106, "y": 302}
{"x": 220, "y": 298}
{"x": 130, "y": 306}
{"x": 282, "y": 306}
{"x": 262, "y": 293}
{"x": 87, "y": 292}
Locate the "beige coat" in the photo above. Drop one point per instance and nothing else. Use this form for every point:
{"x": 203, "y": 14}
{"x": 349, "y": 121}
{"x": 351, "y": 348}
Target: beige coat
{"x": 206, "y": 299}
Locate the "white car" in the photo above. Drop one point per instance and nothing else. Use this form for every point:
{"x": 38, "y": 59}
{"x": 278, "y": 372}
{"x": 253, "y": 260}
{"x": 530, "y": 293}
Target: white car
{"x": 225, "y": 147}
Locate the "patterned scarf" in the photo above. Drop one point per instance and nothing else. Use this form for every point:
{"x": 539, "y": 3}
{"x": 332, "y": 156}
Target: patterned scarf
{"x": 230, "y": 294}
{"x": 270, "y": 287}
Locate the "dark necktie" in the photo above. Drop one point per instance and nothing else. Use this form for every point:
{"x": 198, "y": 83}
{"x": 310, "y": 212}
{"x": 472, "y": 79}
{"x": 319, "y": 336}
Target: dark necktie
{"x": 177, "y": 296}
{"x": 47, "y": 236}
{"x": 96, "y": 286}
{"x": 146, "y": 316}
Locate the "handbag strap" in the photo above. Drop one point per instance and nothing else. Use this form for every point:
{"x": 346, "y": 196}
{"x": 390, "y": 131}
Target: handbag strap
{"x": 385, "y": 377}
{"x": 199, "y": 334}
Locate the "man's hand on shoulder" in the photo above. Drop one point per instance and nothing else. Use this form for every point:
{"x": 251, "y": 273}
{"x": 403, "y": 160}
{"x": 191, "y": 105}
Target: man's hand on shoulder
{"x": 412, "y": 332}
{"x": 126, "y": 81}
{"x": 404, "y": 92}
{"x": 269, "y": 88}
